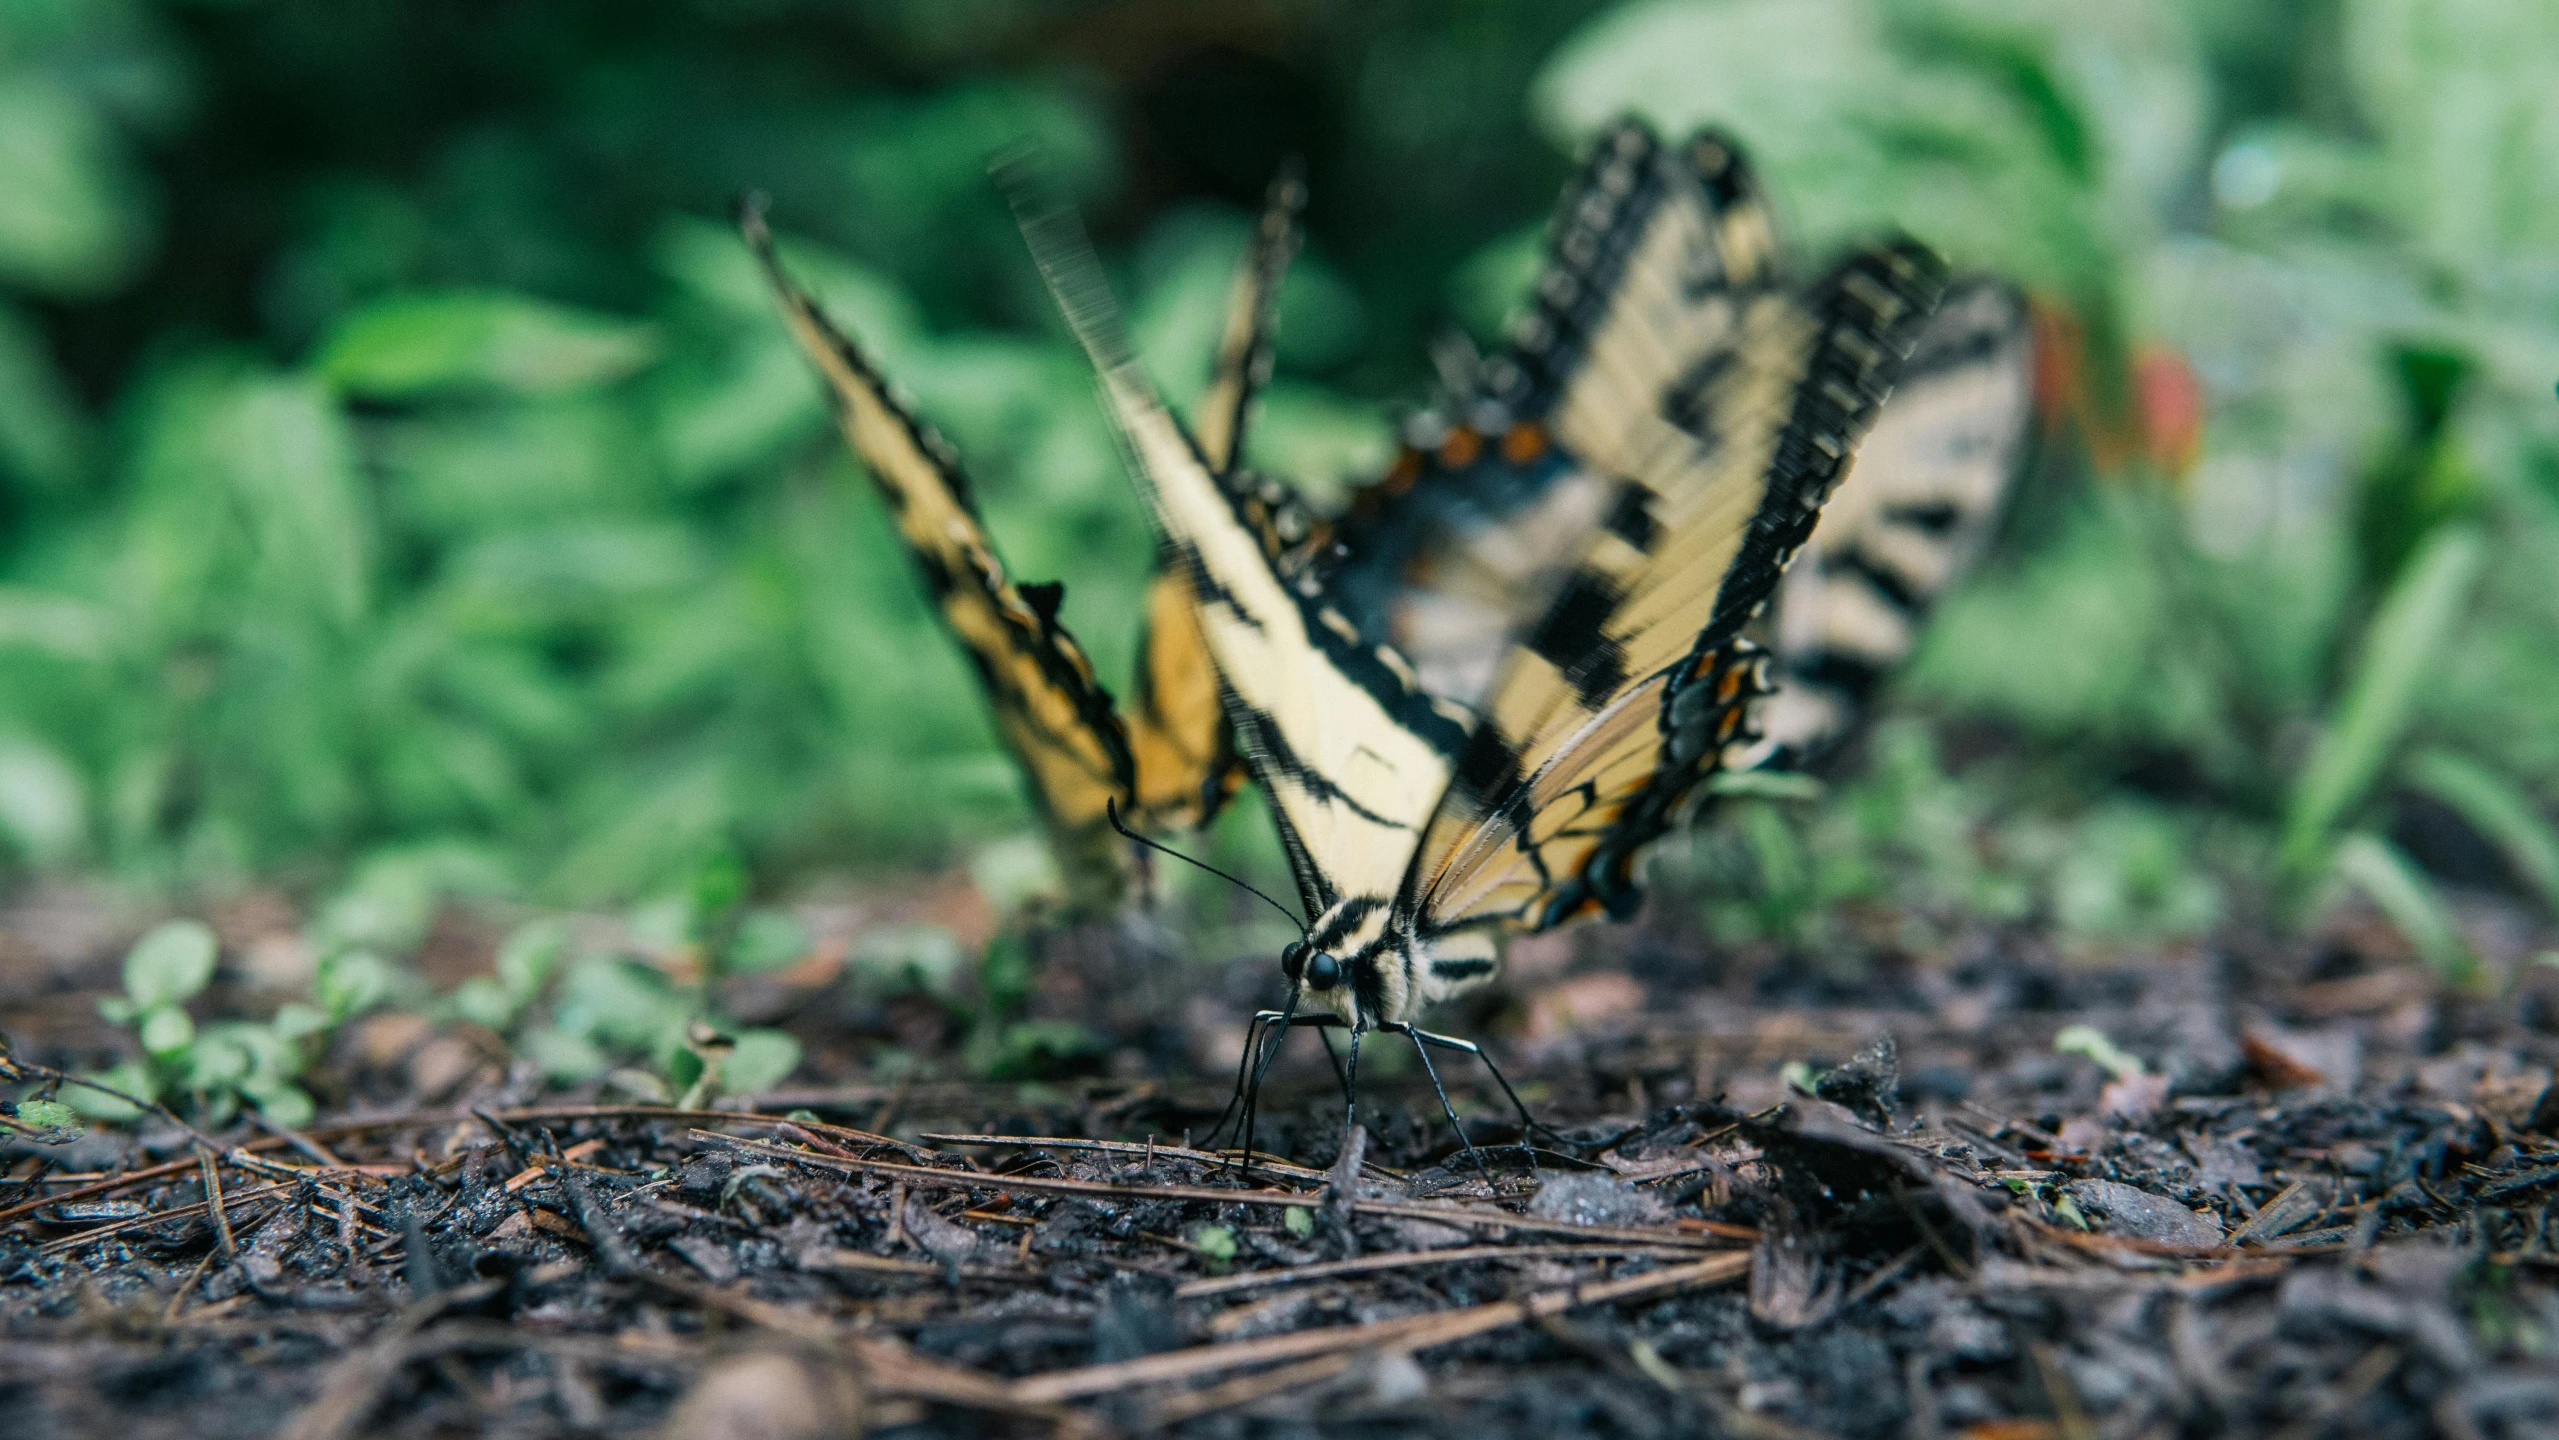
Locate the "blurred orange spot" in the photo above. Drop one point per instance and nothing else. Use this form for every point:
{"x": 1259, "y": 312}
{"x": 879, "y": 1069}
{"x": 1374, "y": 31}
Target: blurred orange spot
{"x": 2169, "y": 402}
{"x": 1461, "y": 448}
{"x": 1523, "y": 443}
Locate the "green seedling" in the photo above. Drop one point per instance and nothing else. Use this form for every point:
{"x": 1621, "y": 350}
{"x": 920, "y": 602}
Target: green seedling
{"x": 2090, "y": 1041}
{"x": 211, "y": 1070}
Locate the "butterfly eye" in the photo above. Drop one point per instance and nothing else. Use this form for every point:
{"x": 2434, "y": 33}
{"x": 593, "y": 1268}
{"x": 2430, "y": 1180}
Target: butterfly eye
{"x": 1323, "y": 972}
{"x": 1292, "y": 957}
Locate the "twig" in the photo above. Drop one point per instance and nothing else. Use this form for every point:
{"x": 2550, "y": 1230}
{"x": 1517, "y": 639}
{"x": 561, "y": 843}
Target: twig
{"x": 213, "y": 1202}
{"x": 610, "y": 1248}
{"x": 834, "y": 1259}
{"x": 69, "y": 1243}
{"x": 1411, "y": 1332}
{"x": 1454, "y": 1215}
{"x": 178, "y": 1302}
{"x": 1405, "y": 1260}
{"x": 891, "y": 1368}
{"x": 296, "y": 1139}
{"x": 1151, "y": 1151}
{"x": 1245, "y": 1389}
{"x": 355, "y": 1384}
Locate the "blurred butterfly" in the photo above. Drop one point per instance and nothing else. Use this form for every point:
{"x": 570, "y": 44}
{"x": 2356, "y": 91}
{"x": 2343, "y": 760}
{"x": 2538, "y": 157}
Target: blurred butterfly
{"x": 1705, "y": 410}
{"x": 1166, "y": 761}
{"x": 1480, "y": 521}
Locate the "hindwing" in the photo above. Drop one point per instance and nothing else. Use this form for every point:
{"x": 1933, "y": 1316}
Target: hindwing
{"x": 1628, "y": 689}
{"x": 1909, "y": 520}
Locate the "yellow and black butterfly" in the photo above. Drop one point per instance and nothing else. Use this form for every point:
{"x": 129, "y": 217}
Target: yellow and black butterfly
{"x": 1420, "y": 829}
{"x": 1167, "y": 762}
{"x": 1480, "y": 519}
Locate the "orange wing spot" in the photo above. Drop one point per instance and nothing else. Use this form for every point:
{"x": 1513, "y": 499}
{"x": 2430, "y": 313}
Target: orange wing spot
{"x": 1523, "y": 442}
{"x": 1730, "y": 684}
{"x": 1406, "y": 469}
{"x": 1732, "y": 721}
{"x": 1461, "y": 448}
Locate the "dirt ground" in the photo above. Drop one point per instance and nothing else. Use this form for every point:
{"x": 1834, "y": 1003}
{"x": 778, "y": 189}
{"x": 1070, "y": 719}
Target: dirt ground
{"x": 2309, "y": 1194}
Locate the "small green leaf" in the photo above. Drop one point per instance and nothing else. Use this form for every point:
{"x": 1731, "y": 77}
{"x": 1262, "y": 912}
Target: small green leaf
{"x": 295, "y": 1020}
{"x": 529, "y": 955}
{"x": 2090, "y": 1041}
{"x": 567, "y": 1058}
{"x": 217, "y": 1063}
{"x": 2067, "y": 1211}
{"x": 485, "y": 1002}
{"x": 1299, "y": 1219}
{"x": 353, "y": 982}
{"x": 1216, "y": 1243}
{"x": 762, "y": 1060}
{"x": 417, "y": 344}
{"x": 165, "y": 1030}
{"x": 131, "y": 1077}
{"x": 766, "y": 940}
{"x": 54, "y": 1122}
{"x": 286, "y": 1105}
{"x": 170, "y": 964}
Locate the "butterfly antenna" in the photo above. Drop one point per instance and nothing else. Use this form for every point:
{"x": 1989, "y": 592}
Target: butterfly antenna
{"x": 1111, "y": 808}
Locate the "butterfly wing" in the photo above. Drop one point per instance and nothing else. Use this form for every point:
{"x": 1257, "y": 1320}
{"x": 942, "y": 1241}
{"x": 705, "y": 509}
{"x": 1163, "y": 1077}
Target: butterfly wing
{"x": 1926, "y": 492}
{"x": 1468, "y": 538}
{"x": 1350, "y": 754}
{"x": 1177, "y": 730}
{"x": 1628, "y": 689}
{"x": 1052, "y": 712}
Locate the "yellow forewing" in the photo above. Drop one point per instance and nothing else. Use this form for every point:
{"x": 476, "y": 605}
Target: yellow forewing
{"x": 1185, "y": 751}
{"x": 1051, "y": 711}
{"x": 1353, "y": 759}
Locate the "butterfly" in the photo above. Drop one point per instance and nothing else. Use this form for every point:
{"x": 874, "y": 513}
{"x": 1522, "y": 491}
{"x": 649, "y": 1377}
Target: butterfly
{"x": 1167, "y": 760}
{"x": 1420, "y": 829}
{"x": 1470, "y": 533}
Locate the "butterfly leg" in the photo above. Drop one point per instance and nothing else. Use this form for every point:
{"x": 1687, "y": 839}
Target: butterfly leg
{"x": 1274, "y": 1033}
{"x": 1325, "y": 1035}
{"x": 1270, "y": 1031}
{"x": 1446, "y": 1108}
{"x": 1350, "y": 1090}
{"x": 1243, "y": 1071}
{"x": 1528, "y": 1126}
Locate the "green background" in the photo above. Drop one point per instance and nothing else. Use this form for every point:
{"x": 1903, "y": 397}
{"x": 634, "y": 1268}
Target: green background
{"x": 402, "y": 471}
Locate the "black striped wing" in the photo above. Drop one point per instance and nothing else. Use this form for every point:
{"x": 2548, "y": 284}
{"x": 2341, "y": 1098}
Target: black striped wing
{"x": 1926, "y": 493}
{"x": 1630, "y": 687}
{"x": 1467, "y": 538}
{"x": 1352, "y": 756}
{"x": 1185, "y": 751}
{"x": 1052, "y": 712}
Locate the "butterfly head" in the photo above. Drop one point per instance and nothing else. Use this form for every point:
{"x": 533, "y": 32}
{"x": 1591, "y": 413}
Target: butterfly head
{"x": 1351, "y": 961}
{"x": 1318, "y": 970}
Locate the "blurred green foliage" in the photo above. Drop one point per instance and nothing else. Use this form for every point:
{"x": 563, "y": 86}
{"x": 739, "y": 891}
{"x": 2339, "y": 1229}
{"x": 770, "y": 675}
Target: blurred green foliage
{"x": 406, "y": 490}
